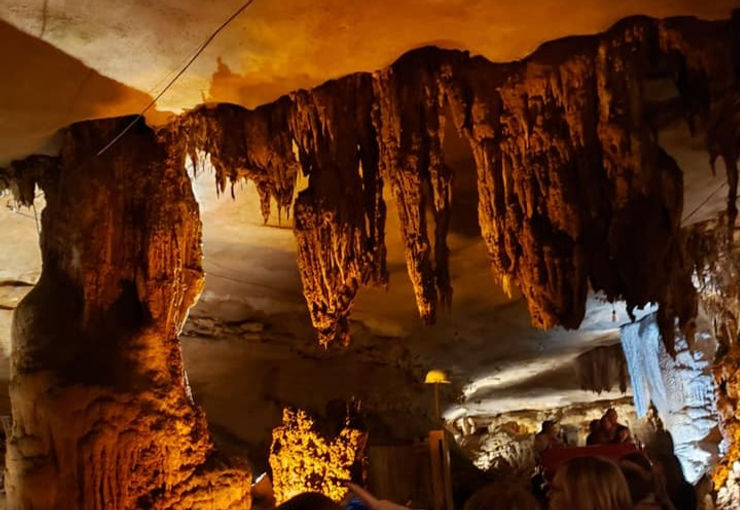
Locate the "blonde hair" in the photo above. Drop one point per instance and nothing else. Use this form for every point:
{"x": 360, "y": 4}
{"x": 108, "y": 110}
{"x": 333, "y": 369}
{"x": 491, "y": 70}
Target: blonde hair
{"x": 592, "y": 483}
{"x": 502, "y": 496}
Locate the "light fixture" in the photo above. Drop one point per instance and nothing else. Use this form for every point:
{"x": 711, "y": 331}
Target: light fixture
{"x": 436, "y": 377}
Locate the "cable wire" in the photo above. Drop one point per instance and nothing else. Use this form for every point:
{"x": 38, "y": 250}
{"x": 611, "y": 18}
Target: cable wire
{"x": 703, "y": 203}
{"x": 200, "y": 50}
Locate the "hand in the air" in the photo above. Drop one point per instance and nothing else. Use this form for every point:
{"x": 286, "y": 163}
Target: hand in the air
{"x": 373, "y": 502}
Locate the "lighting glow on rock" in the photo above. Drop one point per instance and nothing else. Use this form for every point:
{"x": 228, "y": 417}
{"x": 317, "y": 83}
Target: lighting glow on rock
{"x": 681, "y": 389}
{"x": 302, "y": 460}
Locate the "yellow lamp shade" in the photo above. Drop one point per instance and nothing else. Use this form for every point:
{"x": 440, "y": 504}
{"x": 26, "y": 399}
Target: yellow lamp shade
{"x": 436, "y": 377}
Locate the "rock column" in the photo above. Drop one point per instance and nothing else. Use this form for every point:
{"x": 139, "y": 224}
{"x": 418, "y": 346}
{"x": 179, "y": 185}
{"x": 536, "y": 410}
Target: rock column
{"x": 102, "y": 413}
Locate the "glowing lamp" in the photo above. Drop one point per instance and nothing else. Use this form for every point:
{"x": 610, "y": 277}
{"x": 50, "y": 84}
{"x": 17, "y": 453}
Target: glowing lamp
{"x": 436, "y": 377}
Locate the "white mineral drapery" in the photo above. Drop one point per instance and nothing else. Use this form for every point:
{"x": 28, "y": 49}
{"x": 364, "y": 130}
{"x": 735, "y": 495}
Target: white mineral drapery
{"x": 681, "y": 389}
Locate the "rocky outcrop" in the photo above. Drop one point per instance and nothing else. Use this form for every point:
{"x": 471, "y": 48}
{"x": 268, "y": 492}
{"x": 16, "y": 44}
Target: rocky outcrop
{"x": 303, "y": 459}
{"x": 574, "y": 189}
{"x": 717, "y": 274}
{"x": 102, "y": 413}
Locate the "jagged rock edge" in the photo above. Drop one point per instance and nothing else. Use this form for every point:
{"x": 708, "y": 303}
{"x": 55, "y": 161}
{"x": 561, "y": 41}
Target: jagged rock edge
{"x": 574, "y": 188}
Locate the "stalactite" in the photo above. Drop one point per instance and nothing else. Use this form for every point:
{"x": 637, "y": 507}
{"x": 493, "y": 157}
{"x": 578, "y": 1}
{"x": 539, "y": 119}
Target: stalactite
{"x": 717, "y": 263}
{"x": 531, "y": 128}
{"x": 410, "y": 124}
{"x": 250, "y": 144}
{"x": 574, "y": 188}
{"x": 340, "y": 216}
{"x": 602, "y": 368}
{"x": 21, "y": 176}
{"x": 102, "y": 416}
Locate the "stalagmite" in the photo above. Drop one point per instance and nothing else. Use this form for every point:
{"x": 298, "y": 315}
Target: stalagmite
{"x": 304, "y": 460}
{"x": 102, "y": 414}
{"x": 574, "y": 192}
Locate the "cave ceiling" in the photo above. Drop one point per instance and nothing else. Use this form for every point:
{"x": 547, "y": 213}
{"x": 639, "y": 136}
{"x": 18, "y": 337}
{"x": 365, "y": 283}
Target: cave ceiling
{"x": 82, "y": 60}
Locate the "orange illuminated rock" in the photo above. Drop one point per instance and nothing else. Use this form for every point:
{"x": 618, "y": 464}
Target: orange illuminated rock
{"x": 574, "y": 191}
{"x": 717, "y": 262}
{"x": 574, "y": 188}
{"x": 340, "y": 216}
{"x": 102, "y": 414}
{"x": 244, "y": 144}
{"x": 302, "y": 460}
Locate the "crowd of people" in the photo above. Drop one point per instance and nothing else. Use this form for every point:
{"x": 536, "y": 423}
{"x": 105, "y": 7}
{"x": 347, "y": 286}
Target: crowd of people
{"x": 581, "y": 483}
{"x": 608, "y": 430}
{"x": 585, "y": 482}
{"x": 633, "y": 482}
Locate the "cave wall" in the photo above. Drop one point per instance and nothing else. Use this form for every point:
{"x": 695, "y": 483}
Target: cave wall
{"x": 713, "y": 250}
{"x": 102, "y": 413}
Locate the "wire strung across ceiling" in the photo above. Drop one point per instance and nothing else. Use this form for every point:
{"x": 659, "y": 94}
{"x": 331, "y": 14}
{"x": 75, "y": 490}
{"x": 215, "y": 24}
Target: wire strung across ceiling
{"x": 192, "y": 59}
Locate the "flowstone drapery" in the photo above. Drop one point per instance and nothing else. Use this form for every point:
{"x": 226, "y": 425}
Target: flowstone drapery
{"x": 680, "y": 387}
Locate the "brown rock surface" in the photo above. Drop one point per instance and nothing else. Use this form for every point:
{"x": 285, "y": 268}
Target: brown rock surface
{"x": 574, "y": 189}
{"x": 102, "y": 415}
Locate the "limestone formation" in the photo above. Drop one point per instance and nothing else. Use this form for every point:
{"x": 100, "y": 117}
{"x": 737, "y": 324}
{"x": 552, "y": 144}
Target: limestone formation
{"x": 718, "y": 273}
{"x": 304, "y": 460}
{"x": 602, "y": 368}
{"x": 409, "y": 119}
{"x": 244, "y": 144}
{"x": 102, "y": 414}
{"x": 678, "y": 387}
{"x": 340, "y": 216}
{"x": 574, "y": 192}
{"x": 574, "y": 188}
